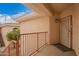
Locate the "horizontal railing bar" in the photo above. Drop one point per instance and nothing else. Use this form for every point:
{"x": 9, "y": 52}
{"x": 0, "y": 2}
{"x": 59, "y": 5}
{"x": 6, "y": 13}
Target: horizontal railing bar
{"x": 33, "y": 33}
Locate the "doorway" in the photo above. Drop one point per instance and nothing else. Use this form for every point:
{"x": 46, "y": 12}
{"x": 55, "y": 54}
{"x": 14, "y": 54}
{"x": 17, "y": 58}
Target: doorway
{"x": 66, "y": 31}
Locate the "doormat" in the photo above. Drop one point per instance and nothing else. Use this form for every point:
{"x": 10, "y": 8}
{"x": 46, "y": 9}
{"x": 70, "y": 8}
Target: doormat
{"x": 62, "y": 47}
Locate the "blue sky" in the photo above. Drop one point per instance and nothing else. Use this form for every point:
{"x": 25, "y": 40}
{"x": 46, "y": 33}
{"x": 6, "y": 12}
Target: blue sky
{"x": 13, "y": 11}
{"x": 12, "y": 8}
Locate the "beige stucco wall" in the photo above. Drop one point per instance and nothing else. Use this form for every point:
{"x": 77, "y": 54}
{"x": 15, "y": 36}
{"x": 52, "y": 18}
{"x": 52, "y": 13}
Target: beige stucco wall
{"x": 74, "y": 11}
{"x": 76, "y": 28}
{"x": 35, "y": 25}
{"x": 40, "y": 24}
{"x": 54, "y": 30}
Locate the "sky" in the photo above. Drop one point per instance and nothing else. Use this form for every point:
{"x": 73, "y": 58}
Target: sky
{"x": 11, "y": 11}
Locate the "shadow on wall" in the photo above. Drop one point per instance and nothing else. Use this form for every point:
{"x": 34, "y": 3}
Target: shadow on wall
{"x": 1, "y": 40}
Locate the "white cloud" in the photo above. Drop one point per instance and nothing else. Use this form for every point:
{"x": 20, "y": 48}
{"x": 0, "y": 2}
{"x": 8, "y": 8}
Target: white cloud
{"x": 18, "y": 15}
{"x": 2, "y": 20}
{"x": 21, "y": 14}
{"x": 6, "y": 19}
{"x": 12, "y": 19}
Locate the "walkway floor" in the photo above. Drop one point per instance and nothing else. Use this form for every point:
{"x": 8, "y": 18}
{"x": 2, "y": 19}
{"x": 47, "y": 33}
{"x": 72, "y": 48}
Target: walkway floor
{"x": 51, "y": 50}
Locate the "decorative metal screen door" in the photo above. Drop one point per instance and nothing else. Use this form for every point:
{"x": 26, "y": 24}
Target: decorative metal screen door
{"x": 66, "y": 31}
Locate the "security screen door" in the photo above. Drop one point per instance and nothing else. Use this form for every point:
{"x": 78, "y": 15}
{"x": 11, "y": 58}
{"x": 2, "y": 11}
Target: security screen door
{"x": 66, "y": 31}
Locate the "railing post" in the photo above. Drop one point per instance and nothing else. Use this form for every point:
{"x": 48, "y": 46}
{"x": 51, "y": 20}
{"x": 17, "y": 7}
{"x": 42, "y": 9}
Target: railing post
{"x": 45, "y": 38}
{"x": 37, "y": 42}
{"x": 17, "y": 48}
{"x": 8, "y": 51}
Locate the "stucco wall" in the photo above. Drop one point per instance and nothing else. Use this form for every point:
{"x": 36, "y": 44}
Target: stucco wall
{"x": 74, "y": 11}
{"x": 76, "y": 28}
{"x": 42, "y": 24}
{"x": 54, "y": 30}
{"x": 35, "y": 25}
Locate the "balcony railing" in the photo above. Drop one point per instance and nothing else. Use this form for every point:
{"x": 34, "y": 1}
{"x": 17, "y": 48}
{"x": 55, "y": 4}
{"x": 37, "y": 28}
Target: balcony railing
{"x": 32, "y": 42}
{"x": 10, "y": 50}
{"x": 28, "y": 44}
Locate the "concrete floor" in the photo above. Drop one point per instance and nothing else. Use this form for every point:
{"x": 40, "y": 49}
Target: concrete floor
{"x": 51, "y": 50}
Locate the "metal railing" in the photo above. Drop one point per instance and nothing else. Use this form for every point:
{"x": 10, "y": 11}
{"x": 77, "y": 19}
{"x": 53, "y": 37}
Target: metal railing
{"x": 11, "y": 49}
{"x": 8, "y": 50}
{"x": 32, "y": 42}
{"x": 28, "y": 44}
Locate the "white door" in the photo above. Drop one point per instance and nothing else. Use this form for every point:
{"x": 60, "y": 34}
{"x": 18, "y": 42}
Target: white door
{"x": 66, "y": 31}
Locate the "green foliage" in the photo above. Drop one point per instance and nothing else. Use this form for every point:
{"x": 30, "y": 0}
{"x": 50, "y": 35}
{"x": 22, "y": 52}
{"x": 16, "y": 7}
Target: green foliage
{"x": 13, "y": 35}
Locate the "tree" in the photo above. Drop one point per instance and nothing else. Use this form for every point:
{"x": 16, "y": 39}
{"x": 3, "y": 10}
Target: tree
{"x": 13, "y": 35}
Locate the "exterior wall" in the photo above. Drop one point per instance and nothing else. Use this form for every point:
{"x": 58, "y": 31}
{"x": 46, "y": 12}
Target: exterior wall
{"x": 4, "y": 31}
{"x": 35, "y": 25}
{"x": 54, "y": 31}
{"x": 42, "y": 24}
{"x": 76, "y": 28}
{"x": 74, "y": 11}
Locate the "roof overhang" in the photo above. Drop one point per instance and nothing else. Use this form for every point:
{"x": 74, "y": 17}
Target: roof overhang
{"x": 28, "y": 17}
{"x": 39, "y": 8}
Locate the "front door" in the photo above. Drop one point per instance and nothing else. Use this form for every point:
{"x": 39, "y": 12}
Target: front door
{"x": 66, "y": 31}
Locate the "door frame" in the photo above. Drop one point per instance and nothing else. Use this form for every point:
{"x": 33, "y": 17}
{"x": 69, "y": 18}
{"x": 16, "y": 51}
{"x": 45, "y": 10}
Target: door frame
{"x": 71, "y": 33}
